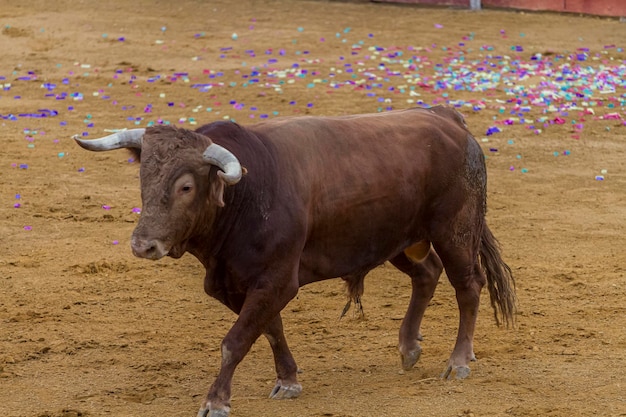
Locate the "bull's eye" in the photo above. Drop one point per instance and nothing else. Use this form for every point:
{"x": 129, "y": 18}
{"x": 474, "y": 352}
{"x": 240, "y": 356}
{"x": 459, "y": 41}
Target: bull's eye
{"x": 185, "y": 186}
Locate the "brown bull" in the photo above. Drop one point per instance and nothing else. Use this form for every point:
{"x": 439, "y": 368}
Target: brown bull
{"x": 323, "y": 197}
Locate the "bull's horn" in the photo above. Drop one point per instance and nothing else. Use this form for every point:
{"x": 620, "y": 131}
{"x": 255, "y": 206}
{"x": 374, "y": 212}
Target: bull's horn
{"x": 124, "y": 139}
{"x": 225, "y": 160}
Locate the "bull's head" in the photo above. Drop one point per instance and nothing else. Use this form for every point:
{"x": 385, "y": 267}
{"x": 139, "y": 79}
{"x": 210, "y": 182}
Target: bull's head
{"x": 183, "y": 176}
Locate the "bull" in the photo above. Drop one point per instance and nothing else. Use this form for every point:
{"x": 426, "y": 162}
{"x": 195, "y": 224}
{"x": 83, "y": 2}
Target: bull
{"x": 273, "y": 206}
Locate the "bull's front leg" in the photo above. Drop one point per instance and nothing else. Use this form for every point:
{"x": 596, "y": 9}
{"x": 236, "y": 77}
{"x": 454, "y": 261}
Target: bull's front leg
{"x": 258, "y": 315}
{"x": 287, "y": 385}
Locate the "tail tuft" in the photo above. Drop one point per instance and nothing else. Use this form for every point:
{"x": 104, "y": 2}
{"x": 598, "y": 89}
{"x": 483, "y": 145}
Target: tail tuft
{"x": 354, "y": 290}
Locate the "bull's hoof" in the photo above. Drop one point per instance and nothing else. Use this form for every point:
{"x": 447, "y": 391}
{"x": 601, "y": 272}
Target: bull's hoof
{"x": 283, "y": 392}
{"x": 410, "y": 358}
{"x": 205, "y": 412}
{"x": 460, "y": 372}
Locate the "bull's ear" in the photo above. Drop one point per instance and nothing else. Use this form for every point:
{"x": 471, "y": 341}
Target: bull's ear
{"x": 216, "y": 189}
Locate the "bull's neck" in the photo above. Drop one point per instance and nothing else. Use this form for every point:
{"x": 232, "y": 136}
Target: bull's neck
{"x": 245, "y": 202}
{"x": 215, "y": 229}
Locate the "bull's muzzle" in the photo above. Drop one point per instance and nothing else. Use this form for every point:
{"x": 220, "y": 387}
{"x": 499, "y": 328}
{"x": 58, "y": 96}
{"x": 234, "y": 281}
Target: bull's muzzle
{"x": 148, "y": 248}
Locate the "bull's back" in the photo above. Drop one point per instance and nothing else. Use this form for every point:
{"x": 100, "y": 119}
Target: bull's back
{"x": 400, "y": 151}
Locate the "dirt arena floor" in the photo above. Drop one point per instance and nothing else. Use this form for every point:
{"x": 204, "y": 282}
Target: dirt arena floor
{"x": 86, "y": 329}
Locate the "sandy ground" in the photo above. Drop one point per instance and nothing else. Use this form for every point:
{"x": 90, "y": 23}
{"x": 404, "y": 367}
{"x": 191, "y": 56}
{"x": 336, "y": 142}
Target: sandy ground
{"x": 88, "y": 330}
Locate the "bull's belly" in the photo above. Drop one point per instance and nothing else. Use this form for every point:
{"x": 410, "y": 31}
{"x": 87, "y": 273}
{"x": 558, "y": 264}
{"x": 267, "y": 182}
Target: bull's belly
{"x": 358, "y": 231}
{"x": 334, "y": 262}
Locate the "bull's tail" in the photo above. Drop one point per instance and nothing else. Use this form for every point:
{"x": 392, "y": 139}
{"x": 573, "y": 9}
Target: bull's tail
{"x": 500, "y": 282}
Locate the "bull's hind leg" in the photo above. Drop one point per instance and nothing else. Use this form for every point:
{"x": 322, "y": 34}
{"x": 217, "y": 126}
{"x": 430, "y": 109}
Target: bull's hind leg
{"x": 467, "y": 278}
{"x": 424, "y": 277}
{"x": 287, "y": 385}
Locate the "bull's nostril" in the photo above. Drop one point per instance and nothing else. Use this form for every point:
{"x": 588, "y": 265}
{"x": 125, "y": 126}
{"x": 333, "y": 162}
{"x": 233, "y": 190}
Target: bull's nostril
{"x": 146, "y": 251}
{"x": 150, "y": 249}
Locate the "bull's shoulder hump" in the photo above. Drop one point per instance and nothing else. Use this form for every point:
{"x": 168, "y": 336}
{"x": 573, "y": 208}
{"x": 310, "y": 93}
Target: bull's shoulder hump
{"x": 220, "y": 128}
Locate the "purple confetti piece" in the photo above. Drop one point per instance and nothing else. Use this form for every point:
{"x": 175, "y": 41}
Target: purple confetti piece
{"x": 492, "y": 130}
